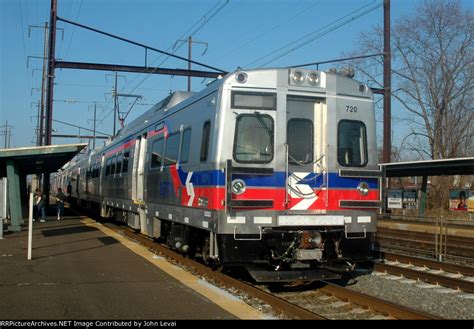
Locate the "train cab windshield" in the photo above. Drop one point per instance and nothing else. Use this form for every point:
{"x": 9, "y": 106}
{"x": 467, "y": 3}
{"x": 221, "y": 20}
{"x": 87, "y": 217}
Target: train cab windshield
{"x": 352, "y": 143}
{"x": 253, "y": 142}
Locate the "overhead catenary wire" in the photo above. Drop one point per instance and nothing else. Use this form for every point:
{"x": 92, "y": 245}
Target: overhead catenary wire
{"x": 310, "y": 37}
{"x": 72, "y": 36}
{"x": 72, "y": 125}
{"x": 23, "y": 38}
{"x": 196, "y": 27}
{"x": 73, "y": 30}
{"x": 242, "y": 45}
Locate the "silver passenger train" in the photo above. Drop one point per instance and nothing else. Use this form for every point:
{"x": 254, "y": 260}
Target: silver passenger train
{"x": 271, "y": 169}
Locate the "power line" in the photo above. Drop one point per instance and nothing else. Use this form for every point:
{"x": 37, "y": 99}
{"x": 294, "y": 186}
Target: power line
{"x": 66, "y": 14}
{"x": 274, "y": 28}
{"x": 101, "y": 86}
{"x": 70, "y": 124}
{"x": 310, "y": 37}
{"x": 23, "y": 36}
{"x": 73, "y": 30}
{"x": 136, "y": 44}
{"x": 190, "y": 32}
{"x": 68, "y": 10}
{"x": 337, "y": 60}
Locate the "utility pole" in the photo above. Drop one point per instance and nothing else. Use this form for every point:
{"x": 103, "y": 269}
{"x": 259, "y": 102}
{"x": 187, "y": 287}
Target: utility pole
{"x": 50, "y": 88}
{"x": 7, "y": 133}
{"x": 95, "y": 118}
{"x": 387, "y": 83}
{"x": 115, "y": 105}
{"x": 115, "y": 96}
{"x": 38, "y": 125}
{"x": 43, "y": 84}
{"x": 94, "y": 126}
{"x": 44, "y": 76}
{"x": 190, "y": 44}
{"x": 50, "y": 77}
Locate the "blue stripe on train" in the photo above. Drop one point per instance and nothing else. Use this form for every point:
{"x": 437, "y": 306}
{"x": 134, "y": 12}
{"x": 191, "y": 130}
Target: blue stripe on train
{"x": 217, "y": 178}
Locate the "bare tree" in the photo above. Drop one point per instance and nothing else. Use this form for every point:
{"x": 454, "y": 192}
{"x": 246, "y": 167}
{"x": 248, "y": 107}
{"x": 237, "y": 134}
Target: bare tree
{"x": 433, "y": 76}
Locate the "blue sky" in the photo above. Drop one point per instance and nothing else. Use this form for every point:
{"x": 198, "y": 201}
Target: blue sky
{"x": 245, "y": 33}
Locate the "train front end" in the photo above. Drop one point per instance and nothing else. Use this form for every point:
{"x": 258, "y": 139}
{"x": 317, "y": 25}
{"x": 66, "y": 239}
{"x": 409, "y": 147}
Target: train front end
{"x": 299, "y": 157}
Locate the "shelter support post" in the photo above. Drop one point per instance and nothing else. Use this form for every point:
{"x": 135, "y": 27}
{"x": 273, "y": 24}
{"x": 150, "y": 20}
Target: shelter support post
{"x": 383, "y": 189}
{"x": 23, "y": 200}
{"x": 3, "y": 203}
{"x": 422, "y": 208}
{"x": 14, "y": 196}
{"x": 46, "y": 187}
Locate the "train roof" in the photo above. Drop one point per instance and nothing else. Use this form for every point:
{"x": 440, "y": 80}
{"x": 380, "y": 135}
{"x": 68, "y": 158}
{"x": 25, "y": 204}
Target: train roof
{"x": 178, "y": 97}
{"x": 168, "y": 102}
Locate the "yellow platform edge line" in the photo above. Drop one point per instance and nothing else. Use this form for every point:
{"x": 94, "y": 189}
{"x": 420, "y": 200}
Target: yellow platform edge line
{"x": 234, "y": 306}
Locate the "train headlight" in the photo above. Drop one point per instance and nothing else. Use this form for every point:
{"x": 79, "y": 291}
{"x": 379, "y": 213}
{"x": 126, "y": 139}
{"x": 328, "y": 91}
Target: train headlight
{"x": 297, "y": 77}
{"x": 238, "y": 186}
{"x": 363, "y": 88}
{"x": 363, "y": 188}
{"x": 241, "y": 77}
{"x": 313, "y": 78}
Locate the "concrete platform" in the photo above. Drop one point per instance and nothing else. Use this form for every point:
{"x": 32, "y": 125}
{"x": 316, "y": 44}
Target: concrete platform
{"x": 81, "y": 270}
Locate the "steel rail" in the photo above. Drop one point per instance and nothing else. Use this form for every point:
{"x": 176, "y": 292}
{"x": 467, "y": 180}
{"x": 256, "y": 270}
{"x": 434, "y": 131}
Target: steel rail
{"x": 432, "y": 264}
{"x": 441, "y": 280}
{"x": 376, "y": 304}
{"x": 278, "y": 304}
{"x": 425, "y": 247}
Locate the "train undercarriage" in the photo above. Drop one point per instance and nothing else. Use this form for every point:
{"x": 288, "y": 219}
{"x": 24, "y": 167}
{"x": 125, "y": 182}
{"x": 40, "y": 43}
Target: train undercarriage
{"x": 280, "y": 254}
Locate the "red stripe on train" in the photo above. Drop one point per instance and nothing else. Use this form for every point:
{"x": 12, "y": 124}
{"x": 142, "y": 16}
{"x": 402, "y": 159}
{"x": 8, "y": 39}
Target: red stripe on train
{"x": 326, "y": 200}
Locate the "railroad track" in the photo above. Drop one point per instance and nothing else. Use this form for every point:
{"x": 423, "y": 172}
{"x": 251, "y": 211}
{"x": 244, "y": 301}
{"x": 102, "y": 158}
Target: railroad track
{"x": 337, "y": 302}
{"x": 430, "y": 271}
{"x": 286, "y": 307}
{"x": 425, "y": 243}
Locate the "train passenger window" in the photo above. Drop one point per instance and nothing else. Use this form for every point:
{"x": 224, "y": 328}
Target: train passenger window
{"x": 118, "y": 168}
{"x": 112, "y": 165}
{"x": 352, "y": 143}
{"x": 172, "y": 149}
{"x": 107, "y": 167}
{"x": 206, "y": 136}
{"x": 159, "y": 126}
{"x": 185, "y": 143}
{"x": 157, "y": 153}
{"x": 300, "y": 141}
{"x": 257, "y": 101}
{"x": 126, "y": 155}
{"x": 253, "y": 141}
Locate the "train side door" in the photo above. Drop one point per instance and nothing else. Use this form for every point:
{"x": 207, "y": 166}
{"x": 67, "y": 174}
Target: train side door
{"x": 138, "y": 170}
{"x": 78, "y": 186}
{"x": 101, "y": 174}
{"x": 305, "y": 157}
